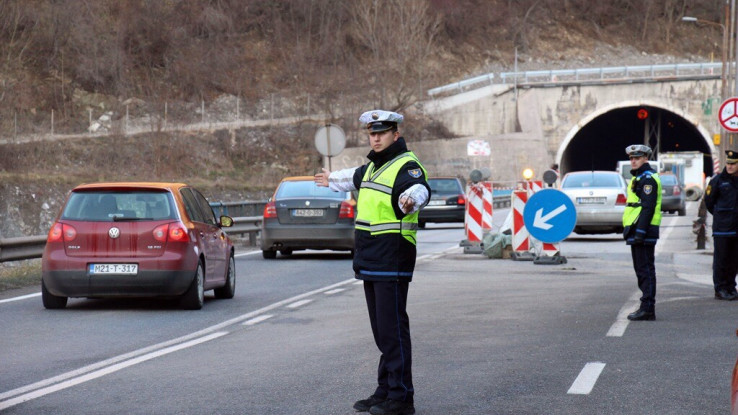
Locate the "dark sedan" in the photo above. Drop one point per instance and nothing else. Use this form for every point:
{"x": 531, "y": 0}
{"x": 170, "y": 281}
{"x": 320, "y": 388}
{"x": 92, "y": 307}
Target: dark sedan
{"x": 447, "y": 201}
{"x": 302, "y": 215}
{"x": 672, "y": 195}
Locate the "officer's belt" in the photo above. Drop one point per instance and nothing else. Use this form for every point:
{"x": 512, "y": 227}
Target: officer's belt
{"x": 636, "y": 204}
{"x": 392, "y": 226}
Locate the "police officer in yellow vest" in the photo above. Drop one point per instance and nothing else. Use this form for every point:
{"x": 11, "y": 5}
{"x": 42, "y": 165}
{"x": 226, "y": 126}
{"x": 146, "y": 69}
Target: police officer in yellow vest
{"x": 641, "y": 221}
{"x": 392, "y": 188}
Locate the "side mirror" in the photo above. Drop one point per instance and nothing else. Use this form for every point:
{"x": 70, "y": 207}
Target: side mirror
{"x": 226, "y": 221}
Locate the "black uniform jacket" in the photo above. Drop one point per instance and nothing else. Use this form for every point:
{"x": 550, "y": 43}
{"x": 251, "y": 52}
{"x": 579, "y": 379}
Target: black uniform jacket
{"x": 721, "y": 199}
{"x": 648, "y": 201}
{"x": 387, "y": 257}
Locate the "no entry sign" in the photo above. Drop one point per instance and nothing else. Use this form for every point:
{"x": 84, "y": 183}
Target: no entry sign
{"x": 728, "y": 115}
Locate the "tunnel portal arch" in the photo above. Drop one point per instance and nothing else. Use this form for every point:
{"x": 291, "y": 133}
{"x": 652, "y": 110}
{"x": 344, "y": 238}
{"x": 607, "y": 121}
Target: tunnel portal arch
{"x": 598, "y": 141}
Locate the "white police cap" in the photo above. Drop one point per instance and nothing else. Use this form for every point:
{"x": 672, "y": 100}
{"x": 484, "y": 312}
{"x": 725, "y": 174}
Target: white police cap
{"x": 380, "y": 120}
{"x": 638, "y": 150}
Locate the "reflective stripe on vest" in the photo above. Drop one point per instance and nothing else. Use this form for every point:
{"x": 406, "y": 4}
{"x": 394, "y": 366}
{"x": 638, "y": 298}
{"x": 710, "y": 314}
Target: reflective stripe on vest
{"x": 633, "y": 203}
{"x": 375, "y": 213}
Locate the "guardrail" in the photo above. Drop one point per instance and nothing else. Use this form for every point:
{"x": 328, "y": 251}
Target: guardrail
{"x": 679, "y": 70}
{"x": 29, "y": 247}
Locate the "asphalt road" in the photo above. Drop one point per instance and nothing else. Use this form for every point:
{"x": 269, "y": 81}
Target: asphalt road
{"x": 489, "y": 337}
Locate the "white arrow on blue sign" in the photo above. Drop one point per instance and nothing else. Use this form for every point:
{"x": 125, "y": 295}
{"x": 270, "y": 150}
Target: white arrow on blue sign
{"x": 549, "y": 215}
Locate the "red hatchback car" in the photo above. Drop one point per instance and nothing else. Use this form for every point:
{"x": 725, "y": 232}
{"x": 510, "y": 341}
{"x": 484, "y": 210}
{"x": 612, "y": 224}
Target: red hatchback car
{"x": 137, "y": 240}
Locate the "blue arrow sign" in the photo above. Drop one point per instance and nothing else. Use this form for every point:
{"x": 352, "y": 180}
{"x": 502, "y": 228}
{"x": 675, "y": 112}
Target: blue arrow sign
{"x": 549, "y": 215}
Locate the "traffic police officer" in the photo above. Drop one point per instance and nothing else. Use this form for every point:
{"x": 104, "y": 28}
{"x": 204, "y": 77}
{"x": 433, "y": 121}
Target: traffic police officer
{"x": 721, "y": 200}
{"x": 392, "y": 188}
{"x": 641, "y": 220}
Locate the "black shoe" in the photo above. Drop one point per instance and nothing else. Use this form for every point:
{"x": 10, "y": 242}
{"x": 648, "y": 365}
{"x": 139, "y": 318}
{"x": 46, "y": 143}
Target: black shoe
{"x": 725, "y": 295}
{"x": 364, "y": 404}
{"x": 392, "y": 407}
{"x": 642, "y": 315}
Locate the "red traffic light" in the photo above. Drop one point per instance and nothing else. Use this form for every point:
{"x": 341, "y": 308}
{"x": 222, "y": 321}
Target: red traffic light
{"x": 642, "y": 114}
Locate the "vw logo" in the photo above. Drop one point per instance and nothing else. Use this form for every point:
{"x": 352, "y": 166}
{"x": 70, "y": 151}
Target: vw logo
{"x": 307, "y": 203}
{"x": 591, "y": 193}
{"x": 114, "y": 233}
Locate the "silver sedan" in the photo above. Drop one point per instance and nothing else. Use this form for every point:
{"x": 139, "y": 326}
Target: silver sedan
{"x": 599, "y": 198}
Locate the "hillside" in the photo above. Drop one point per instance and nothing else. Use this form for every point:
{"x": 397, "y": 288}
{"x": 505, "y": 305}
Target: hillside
{"x": 153, "y": 63}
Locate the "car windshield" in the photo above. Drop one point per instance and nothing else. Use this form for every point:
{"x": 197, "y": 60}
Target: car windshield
{"x": 591, "y": 179}
{"x": 668, "y": 180}
{"x": 444, "y": 186}
{"x": 108, "y": 206}
{"x": 304, "y": 188}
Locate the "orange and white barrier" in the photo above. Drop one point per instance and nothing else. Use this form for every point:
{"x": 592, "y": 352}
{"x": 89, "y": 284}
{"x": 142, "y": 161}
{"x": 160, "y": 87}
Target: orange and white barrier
{"x": 520, "y": 236}
{"x": 521, "y": 239}
{"x": 478, "y": 219}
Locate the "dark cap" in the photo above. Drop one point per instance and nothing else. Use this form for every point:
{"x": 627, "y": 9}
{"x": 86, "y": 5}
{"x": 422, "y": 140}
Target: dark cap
{"x": 731, "y": 157}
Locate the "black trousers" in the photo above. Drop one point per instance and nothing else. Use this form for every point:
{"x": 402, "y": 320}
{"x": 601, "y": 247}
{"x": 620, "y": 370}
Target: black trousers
{"x": 386, "y": 302}
{"x": 643, "y": 264}
{"x": 724, "y": 263}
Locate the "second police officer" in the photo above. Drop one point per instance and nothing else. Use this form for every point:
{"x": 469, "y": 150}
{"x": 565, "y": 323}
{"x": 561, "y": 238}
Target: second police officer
{"x": 721, "y": 200}
{"x": 641, "y": 220}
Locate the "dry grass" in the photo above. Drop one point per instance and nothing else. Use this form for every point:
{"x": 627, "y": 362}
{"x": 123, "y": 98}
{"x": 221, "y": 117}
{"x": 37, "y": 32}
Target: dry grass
{"x": 19, "y": 274}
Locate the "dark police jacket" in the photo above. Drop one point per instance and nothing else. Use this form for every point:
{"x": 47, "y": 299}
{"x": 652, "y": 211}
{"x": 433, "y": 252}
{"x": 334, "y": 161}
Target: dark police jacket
{"x": 649, "y": 202}
{"x": 721, "y": 199}
{"x": 387, "y": 257}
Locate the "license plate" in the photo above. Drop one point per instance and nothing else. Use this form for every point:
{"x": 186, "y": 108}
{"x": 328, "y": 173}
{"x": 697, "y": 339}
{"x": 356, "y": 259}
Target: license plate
{"x": 591, "y": 200}
{"x": 118, "y": 269}
{"x": 436, "y": 202}
{"x": 311, "y": 213}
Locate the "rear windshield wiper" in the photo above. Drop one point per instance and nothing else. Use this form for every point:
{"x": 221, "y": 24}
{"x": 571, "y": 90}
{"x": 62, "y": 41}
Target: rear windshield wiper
{"x": 123, "y": 218}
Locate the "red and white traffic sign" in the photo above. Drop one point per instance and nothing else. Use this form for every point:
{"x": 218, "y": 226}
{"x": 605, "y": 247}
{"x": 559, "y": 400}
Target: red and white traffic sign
{"x": 728, "y": 115}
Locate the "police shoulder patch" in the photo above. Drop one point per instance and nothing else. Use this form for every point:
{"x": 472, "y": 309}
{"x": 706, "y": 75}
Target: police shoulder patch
{"x": 414, "y": 173}
{"x": 647, "y": 189}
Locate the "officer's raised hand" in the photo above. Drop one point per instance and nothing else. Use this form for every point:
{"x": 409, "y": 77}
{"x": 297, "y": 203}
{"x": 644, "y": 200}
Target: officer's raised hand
{"x": 321, "y": 179}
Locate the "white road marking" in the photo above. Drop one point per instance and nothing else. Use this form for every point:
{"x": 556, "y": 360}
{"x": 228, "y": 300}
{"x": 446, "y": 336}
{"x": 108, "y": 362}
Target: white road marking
{"x": 257, "y": 319}
{"x": 106, "y": 371}
{"x": 248, "y": 253}
{"x": 150, "y": 349}
{"x": 621, "y": 321}
{"x": 331, "y": 292}
{"x": 300, "y": 303}
{"x": 22, "y": 297}
{"x": 587, "y": 378}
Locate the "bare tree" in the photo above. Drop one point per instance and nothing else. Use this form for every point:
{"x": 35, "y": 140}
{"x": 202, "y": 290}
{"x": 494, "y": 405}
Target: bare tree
{"x": 399, "y": 35}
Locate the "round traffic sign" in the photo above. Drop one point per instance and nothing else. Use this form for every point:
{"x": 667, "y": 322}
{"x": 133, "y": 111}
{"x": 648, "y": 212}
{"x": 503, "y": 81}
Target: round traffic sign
{"x": 728, "y": 115}
{"x": 330, "y": 140}
{"x": 549, "y": 215}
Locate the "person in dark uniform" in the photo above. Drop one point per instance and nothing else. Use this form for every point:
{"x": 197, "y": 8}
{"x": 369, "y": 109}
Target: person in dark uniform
{"x": 392, "y": 188}
{"x": 641, "y": 220}
{"x": 721, "y": 200}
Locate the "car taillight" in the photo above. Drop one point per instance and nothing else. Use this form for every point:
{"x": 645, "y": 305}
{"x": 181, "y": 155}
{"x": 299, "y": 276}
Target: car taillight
{"x": 676, "y": 191}
{"x": 178, "y": 233}
{"x": 55, "y": 233}
{"x": 174, "y": 232}
{"x": 60, "y": 232}
{"x": 270, "y": 210}
{"x": 461, "y": 200}
{"x": 160, "y": 232}
{"x": 621, "y": 200}
{"x": 69, "y": 232}
{"x": 347, "y": 210}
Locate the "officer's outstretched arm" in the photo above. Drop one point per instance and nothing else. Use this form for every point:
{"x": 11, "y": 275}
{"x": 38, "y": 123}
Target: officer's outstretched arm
{"x": 339, "y": 181}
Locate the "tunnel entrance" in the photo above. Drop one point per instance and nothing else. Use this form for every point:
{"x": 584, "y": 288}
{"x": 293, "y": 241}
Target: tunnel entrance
{"x": 601, "y": 143}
